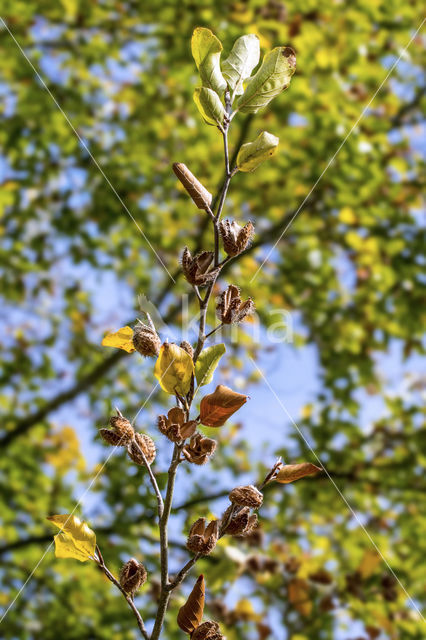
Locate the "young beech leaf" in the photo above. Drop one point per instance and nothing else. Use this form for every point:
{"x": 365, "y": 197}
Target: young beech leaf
{"x": 207, "y": 363}
{"x": 273, "y": 77}
{"x": 191, "y": 614}
{"x": 252, "y": 154}
{"x": 174, "y": 369}
{"x": 210, "y": 106}
{"x": 244, "y": 57}
{"x": 217, "y": 407}
{"x": 292, "y": 472}
{"x": 206, "y": 50}
{"x": 122, "y": 339}
{"x": 76, "y": 540}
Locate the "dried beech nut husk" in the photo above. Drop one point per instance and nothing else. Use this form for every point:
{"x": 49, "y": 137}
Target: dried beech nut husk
{"x": 187, "y": 347}
{"x": 196, "y": 269}
{"x": 132, "y": 576}
{"x": 111, "y": 437}
{"x": 174, "y": 426}
{"x": 146, "y": 340}
{"x": 141, "y": 443}
{"x": 121, "y": 432}
{"x": 199, "y": 194}
{"x": 230, "y": 308}
{"x": 199, "y": 449}
{"x": 234, "y": 237}
{"x": 247, "y": 496}
{"x": 202, "y": 539}
{"x": 238, "y": 522}
{"x": 207, "y": 631}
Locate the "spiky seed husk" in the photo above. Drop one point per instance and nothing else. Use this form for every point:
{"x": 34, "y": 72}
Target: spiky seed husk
{"x": 196, "y": 269}
{"x": 132, "y": 576}
{"x": 207, "y": 631}
{"x": 144, "y": 443}
{"x": 199, "y": 449}
{"x": 202, "y": 539}
{"x": 174, "y": 426}
{"x": 230, "y": 308}
{"x": 187, "y": 347}
{"x": 146, "y": 340}
{"x": 234, "y": 237}
{"x": 122, "y": 427}
{"x": 247, "y": 496}
{"x": 112, "y": 438}
{"x": 238, "y": 522}
{"x": 199, "y": 194}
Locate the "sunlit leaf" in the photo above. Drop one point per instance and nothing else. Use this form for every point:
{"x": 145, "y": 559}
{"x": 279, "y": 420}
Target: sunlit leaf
{"x": 252, "y": 154}
{"x": 241, "y": 61}
{"x": 206, "y": 50}
{"x": 121, "y": 339}
{"x": 293, "y": 472}
{"x": 217, "y": 407}
{"x": 273, "y": 77}
{"x": 174, "y": 369}
{"x": 75, "y": 540}
{"x": 369, "y": 563}
{"x": 210, "y": 106}
{"x": 207, "y": 362}
{"x": 191, "y": 614}
{"x": 298, "y": 595}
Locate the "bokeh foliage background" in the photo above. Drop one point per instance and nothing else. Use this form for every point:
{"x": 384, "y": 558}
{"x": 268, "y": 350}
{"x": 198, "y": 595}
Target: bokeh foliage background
{"x": 348, "y": 268}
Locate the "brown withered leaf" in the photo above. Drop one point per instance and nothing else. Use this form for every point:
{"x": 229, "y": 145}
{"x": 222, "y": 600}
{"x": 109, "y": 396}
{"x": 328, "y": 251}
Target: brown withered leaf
{"x": 292, "y": 472}
{"x": 191, "y": 614}
{"x": 298, "y": 594}
{"x": 217, "y": 407}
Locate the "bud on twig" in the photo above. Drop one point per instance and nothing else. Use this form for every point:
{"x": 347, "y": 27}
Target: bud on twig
{"x": 207, "y": 631}
{"x": 230, "y": 308}
{"x": 199, "y": 194}
{"x": 174, "y": 426}
{"x": 132, "y": 576}
{"x": 202, "y": 539}
{"x": 146, "y": 340}
{"x": 199, "y": 449}
{"x": 196, "y": 269}
{"x": 234, "y": 237}
{"x": 247, "y": 496}
{"x": 141, "y": 443}
{"x": 121, "y": 432}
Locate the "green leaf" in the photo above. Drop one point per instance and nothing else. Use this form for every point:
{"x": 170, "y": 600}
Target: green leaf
{"x": 75, "y": 540}
{"x": 207, "y": 363}
{"x": 273, "y": 77}
{"x": 210, "y": 106}
{"x": 244, "y": 57}
{"x": 206, "y": 50}
{"x": 174, "y": 369}
{"x": 252, "y": 154}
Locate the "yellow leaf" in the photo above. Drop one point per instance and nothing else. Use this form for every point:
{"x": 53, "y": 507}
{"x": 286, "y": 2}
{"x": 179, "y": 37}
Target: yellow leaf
{"x": 122, "y": 339}
{"x": 298, "y": 594}
{"x": 369, "y": 563}
{"x": 76, "y": 539}
{"x": 244, "y": 610}
{"x": 174, "y": 369}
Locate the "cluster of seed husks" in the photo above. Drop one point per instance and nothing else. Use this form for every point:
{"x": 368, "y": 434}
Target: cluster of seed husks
{"x": 174, "y": 426}
{"x": 199, "y": 449}
{"x": 122, "y": 434}
{"x": 201, "y": 538}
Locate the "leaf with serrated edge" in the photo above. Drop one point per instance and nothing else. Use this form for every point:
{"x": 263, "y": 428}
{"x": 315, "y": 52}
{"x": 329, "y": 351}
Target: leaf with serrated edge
{"x": 121, "y": 339}
{"x": 191, "y": 613}
{"x": 293, "y": 472}
{"x": 207, "y": 362}
{"x": 273, "y": 77}
{"x": 210, "y": 106}
{"x": 174, "y": 369}
{"x": 252, "y": 154}
{"x": 244, "y": 57}
{"x": 206, "y": 50}
{"x": 76, "y": 540}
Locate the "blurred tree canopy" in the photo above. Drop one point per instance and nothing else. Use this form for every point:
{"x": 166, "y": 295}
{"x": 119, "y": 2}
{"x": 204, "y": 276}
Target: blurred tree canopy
{"x": 73, "y": 263}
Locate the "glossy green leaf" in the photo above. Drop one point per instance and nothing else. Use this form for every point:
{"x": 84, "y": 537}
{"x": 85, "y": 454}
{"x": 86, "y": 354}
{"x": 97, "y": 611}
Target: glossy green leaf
{"x": 210, "y": 106}
{"x": 244, "y": 57}
{"x": 206, "y": 50}
{"x": 273, "y": 77}
{"x": 207, "y": 363}
{"x": 252, "y": 154}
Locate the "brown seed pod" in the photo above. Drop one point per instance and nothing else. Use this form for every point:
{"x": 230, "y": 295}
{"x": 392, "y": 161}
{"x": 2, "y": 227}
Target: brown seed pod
{"x": 199, "y": 194}
{"x": 230, "y": 308}
{"x": 132, "y": 576}
{"x": 202, "y": 539}
{"x": 121, "y": 432}
{"x": 146, "y": 340}
{"x": 234, "y": 237}
{"x": 196, "y": 269}
{"x": 199, "y": 449}
{"x": 187, "y": 347}
{"x": 141, "y": 443}
{"x": 207, "y": 631}
{"x": 174, "y": 426}
{"x": 239, "y": 521}
{"x": 247, "y": 496}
